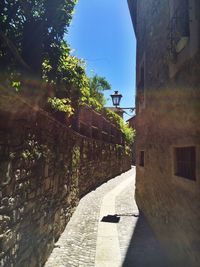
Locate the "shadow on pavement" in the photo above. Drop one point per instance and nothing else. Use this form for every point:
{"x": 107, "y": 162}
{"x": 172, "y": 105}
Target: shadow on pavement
{"x": 144, "y": 250}
{"x": 116, "y": 218}
{"x": 111, "y": 219}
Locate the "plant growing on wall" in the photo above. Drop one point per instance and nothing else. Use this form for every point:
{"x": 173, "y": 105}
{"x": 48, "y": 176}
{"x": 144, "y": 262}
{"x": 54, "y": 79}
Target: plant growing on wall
{"x": 63, "y": 105}
{"x": 129, "y": 133}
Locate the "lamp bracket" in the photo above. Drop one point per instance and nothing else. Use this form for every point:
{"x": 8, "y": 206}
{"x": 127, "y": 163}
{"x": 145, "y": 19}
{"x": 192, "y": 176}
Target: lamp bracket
{"x": 131, "y": 109}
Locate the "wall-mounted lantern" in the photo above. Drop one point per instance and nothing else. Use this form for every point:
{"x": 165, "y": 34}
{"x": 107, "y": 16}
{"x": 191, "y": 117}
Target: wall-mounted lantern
{"x": 116, "y": 98}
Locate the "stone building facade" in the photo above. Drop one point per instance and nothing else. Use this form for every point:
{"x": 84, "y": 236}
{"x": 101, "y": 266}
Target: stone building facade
{"x": 132, "y": 122}
{"x": 168, "y": 122}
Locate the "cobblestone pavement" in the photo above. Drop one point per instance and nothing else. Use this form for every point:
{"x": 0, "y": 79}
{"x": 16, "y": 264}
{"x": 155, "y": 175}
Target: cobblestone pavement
{"x": 77, "y": 244}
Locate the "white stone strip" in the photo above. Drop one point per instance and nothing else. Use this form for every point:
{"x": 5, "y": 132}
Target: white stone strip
{"x": 108, "y": 248}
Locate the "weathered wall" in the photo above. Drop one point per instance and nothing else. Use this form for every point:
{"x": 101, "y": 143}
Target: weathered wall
{"x": 45, "y": 168}
{"x": 171, "y": 203}
{"x": 168, "y": 117}
{"x": 152, "y": 42}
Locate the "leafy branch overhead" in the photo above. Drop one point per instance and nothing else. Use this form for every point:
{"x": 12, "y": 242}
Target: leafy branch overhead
{"x": 71, "y": 81}
{"x": 32, "y": 31}
{"x": 129, "y": 133}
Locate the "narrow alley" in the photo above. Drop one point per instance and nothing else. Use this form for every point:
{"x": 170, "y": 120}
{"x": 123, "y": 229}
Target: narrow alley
{"x": 106, "y": 230}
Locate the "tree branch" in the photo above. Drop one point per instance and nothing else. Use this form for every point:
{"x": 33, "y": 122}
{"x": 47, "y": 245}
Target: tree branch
{"x": 13, "y": 50}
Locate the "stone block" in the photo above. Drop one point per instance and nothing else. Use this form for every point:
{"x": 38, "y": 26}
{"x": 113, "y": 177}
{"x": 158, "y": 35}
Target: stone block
{"x": 4, "y": 223}
{"x": 7, "y": 240}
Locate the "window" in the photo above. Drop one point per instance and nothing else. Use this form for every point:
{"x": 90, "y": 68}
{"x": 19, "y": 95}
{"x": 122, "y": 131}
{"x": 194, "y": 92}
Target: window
{"x": 182, "y": 19}
{"x": 141, "y": 82}
{"x": 197, "y": 8}
{"x": 141, "y": 86}
{"x": 185, "y": 162}
{"x": 179, "y": 26}
{"x": 141, "y": 159}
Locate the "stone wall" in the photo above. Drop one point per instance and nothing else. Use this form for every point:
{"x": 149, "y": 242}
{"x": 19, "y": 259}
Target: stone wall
{"x": 45, "y": 169}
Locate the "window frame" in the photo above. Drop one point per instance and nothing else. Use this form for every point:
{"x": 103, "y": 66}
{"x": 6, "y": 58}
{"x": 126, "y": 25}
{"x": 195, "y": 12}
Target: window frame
{"x": 179, "y": 27}
{"x": 178, "y": 171}
{"x": 141, "y": 152}
{"x": 141, "y": 84}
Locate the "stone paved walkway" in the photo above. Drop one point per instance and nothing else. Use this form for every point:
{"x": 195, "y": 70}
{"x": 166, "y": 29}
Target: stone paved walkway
{"x": 87, "y": 241}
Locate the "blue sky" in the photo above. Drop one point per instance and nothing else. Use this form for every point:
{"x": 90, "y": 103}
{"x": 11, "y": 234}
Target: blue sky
{"x": 101, "y": 33}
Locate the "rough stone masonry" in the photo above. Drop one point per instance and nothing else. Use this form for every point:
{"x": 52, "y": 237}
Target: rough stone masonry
{"x": 45, "y": 168}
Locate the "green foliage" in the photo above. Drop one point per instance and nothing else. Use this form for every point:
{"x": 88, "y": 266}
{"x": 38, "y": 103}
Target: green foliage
{"x": 16, "y": 85}
{"x": 94, "y": 103}
{"x": 75, "y": 89}
{"x": 32, "y": 42}
{"x": 33, "y": 151}
{"x": 32, "y": 45}
{"x": 46, "y": 69}
{"x": 75, "y": 157}
{"x": 63, "y": 105}
{"x": 94, "y": 96}
{"x": 129, "y": 133}
{"x": 31, "y": 31}
{"x": 72, "y": 81}
{"x": 97, "y": 85}
{"x": 69, "y": 79}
